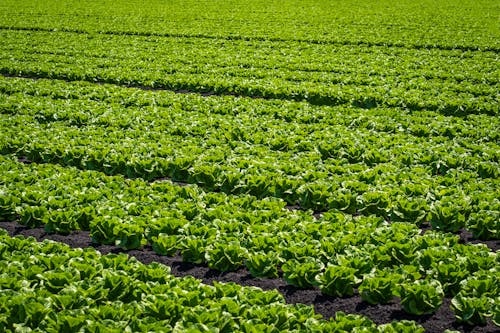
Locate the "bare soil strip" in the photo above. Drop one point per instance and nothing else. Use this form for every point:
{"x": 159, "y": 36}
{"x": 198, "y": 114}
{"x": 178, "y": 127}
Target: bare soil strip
{"x": 323, "y": 304}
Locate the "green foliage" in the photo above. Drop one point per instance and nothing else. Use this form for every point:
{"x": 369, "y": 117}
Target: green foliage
{"x": 386, "y": 143}
{"x": 450, "y": 273}
{"x": 375, "y": 202}
{"x": 477, "y": 298}
{"x": 55, "y": 281}
{"x": 31, "y": 216}
{"x": 484, "y": 224}
{"x": 410, "y": 210}
{"x": 165, "y": 225}
{"x": 8, "y": 205}
{"x": 65, "y": 322}
{"x": 302, "y": 274}
{"x": 123, "y": 294}
{"x": 402, "y": 326}
{"x": 378, "y": 289}
{"x": 350, "y": 322}
{"x": 129, "y": 236}
{"x": 472, "y": 310}
{"x": 193, "y": 250}
{"x": 421, "y": 297}
{"x": 337, "y": 281}
{"x": 343, "y": 200}
{"x": 488, "y": 170}
{"x": 447, "y": 217}
{"x": 263, "y": 265}
{"x": 102, "y": 229}
{"x": 166, "y": 245}
{"x": 60, "y": 221}
{"x": 226, "y": 257}
{"x": 496, "y": 312}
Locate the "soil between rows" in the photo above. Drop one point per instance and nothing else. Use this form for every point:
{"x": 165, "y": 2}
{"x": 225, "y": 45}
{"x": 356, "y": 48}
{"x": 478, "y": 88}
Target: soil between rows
{"x": 323, "y": 304}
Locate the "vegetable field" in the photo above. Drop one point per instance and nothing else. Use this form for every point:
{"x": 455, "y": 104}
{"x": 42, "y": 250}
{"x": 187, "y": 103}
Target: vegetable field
{"x": 260, "y": 166}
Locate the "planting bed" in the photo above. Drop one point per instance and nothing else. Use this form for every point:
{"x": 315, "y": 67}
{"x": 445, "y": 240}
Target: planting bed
{"x": 325, "y": 305}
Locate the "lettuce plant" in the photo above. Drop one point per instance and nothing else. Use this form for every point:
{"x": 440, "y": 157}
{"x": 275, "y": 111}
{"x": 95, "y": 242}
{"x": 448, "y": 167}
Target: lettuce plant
{"x": 31, "y": 216}
{"x": 264, "y": 243}
{"x": 60, "y": 221}
{"x": 421, "y": 297}
{"x": 496, "y": 311}
{"x": 374, "y": 202}
{"x": 302, "y": 274}
{"x": 360, "y": 260}
{"x": 263, "y": 264}
{"x": 450, "y": 273}
{"x": 472, "y": 310}
{"x": 409, "y": 210}
{"x": 300, "y": 250}
{"x": 165, "y": 225}
{"x": 377, "y": 289}
{"x": 488, "y": 170}
{"x": 337, "y": 281}
{"x": 403, "y": 326}
{"x": 351, "y": 323}
{"x": 343, "y": 200}
{"x": 102, "y": 229}
{"x": 129, "y": 236}
{"x": 65, "y": 322}
{"x": 485, "y": 224}
{"x": 120, "y": 286}
{"x": 8, "y": 205}
{"x": 28, "y": 309}
{"x": 162, "y": 307}
{"x": 447, "y": 217}
{"x": 226, "y": 257}
{"x": 193, "y": 250}
{"x": 314, "y": 196}
{"x": 166, "y": 245}
{"x": 395, "y": 253}
{"x": 482, "y": 283}
{"x": 55, "y": 281}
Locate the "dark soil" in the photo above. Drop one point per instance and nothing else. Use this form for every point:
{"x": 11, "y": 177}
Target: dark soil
{"x": 466, "y": 237}
{"x": 323, "y": 304}
{"x": 176, "y": 182}
{"x": 316, "y": 214}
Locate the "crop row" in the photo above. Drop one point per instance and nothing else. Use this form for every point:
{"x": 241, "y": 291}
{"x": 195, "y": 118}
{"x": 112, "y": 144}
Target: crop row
{"x": 48, "y": 287}
{"x": 101, "y": 100}
{"x": 174, "y": 64}
{"x": 338, "y": 253}
{"x": 367, "y": 66}
{"x": 446, "y": 24}
{"x": 397, "y": 176}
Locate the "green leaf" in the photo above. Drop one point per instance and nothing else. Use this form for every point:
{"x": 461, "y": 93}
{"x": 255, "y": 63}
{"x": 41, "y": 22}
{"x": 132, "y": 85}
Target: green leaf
{"x": 263, "y": 264}
{"x": 421, "y": 297}
{"x": 472, "y": 310}
{"x": 337, "y": 281}
{"x": 377, "y": 290}
{"x": 166, "y": 245}
{"x": 302, "y": 274}
{"x": 193, "y": 250}
{"x": 226, "y": 257}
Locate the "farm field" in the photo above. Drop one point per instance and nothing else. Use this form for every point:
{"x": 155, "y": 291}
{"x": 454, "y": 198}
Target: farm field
{"x": 322, "y": 166}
